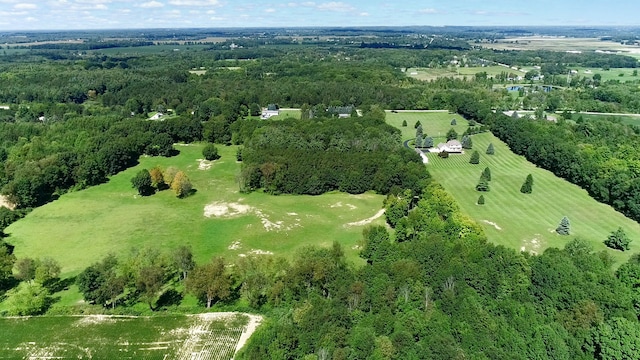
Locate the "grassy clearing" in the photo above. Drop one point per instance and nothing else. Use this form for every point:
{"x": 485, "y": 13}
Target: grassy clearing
{"x": 82, "y": 227}
{"x": 434, "y": 124}
{"x": 558, "y": 43}
{"x": 618, "y": 74}
{"x": 207, "y": 336}
{"x": 527, "y": 222}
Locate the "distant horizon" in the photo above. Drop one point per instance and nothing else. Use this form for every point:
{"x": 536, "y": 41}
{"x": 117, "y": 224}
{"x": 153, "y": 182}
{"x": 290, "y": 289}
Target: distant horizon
{"x": 84, "y": 15}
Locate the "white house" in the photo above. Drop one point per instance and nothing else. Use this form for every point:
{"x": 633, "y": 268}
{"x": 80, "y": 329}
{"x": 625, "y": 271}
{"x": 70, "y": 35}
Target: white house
{"x": 269, "y": 111}
{"x": 451, "y": 146}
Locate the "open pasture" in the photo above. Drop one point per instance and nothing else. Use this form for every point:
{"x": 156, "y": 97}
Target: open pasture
{"x": 82, "y": 227}
{"x": 560, "y": 43}
{"x": 527, "y": 221}
{"x": 457, "y": 72}
{"x": 434, "y": 123}
{"x": 211, "y": 336}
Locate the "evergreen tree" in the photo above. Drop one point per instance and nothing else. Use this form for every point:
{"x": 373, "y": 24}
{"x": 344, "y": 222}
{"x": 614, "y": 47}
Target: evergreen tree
{"x": 475, "y": 158}
{"x": 452, "y": 134}
{"x": 419, "y": 131}
{"x": 565, "y": 227}
{"x": 467, "y": 143}
{"x": 419, "y": 141}
{"x": 427, "y": 142}
{"x": 527, "y": 187}
{"x": 481, "y": 200}
{"x": 486, "y": 174}
{"x": 453, "y": 122}
{"x": 490, "y": 149}
{"x": 404, "y": 123}
{"x": 618, "y": 240}
{"x": 415, "y": 126}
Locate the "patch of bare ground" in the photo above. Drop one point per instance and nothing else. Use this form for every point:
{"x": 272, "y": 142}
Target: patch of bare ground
{"x": 4, "y": 202}
{"x": 532, "y": 246}
{"x": 492, "y": 224}
{"x": 367, "y": 221}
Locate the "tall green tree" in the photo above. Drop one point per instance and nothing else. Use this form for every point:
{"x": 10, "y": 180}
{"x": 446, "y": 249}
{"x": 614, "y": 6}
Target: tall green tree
{"x": 452, "y": 134}
{"x": 490, "y": 149}
{"x": 210, "y": 281}
{"x": 527, "y": 186}
{"x": 142, "y": 183}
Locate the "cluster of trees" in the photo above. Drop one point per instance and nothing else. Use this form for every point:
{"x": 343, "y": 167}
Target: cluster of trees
{"x": 39, "y": 278}
{"x": 42, "y": 161}
{"x": 147, "y": 182}
{"x": 315, "y": 156}
{"x": 438, "y": 289}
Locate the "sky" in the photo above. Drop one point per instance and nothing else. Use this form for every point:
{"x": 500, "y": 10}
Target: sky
{"x": 129, "y": 14}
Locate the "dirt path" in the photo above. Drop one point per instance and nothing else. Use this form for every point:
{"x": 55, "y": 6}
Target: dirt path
{"x": 254, "y": 322}
{"x": 367, "y": 221}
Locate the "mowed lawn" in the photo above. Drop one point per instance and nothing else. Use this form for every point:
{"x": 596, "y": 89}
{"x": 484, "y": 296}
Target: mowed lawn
{"x": 82, "y": 227}
{"x": 434, "y": 124}
{"x": 527, "y": 221}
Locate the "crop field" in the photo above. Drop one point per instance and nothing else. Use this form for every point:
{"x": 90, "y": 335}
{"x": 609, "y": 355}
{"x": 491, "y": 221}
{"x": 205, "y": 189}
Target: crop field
{"x": 434, "y": 124}
{"x": 82, "y": 227}
{"x": 211, "y": 336}
{"x": 527, "y": 221}
{"x": 560, "y": 43}
{"x": 432, "y": 74}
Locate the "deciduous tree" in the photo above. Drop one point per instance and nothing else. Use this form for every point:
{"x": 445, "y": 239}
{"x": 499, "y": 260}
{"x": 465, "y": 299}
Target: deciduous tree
{"x": 618, "y": 240}
{"x": 452, "y": 134}
{"x": 142, "y": 183}
{"x": 181, "y": 185}
{"x": 527, "y": 186}
{"x": 210, "y": 281}
{"x": 210, "y": 152}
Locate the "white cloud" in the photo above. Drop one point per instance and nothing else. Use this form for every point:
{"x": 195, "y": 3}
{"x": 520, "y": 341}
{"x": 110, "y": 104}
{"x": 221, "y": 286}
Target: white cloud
{"x": 364, "y": 14}
{"x": 151, "y": 4}
{"x": 25, "y": 6}
{"x": 428, "y": 11}
{"x": 194, "y": 2}
{"x": 270, "y": 10}
{"x": 336, "y": 6}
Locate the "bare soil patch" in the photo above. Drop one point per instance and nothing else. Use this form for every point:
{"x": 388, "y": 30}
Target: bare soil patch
{"x": 4, "y": 202}
{"x": 367, "y": 221}
{"x": 222, "y": 209}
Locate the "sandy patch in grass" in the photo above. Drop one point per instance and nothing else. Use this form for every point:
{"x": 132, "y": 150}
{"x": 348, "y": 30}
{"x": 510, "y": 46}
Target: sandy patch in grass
{"x": 235, "y": 245}
{"x": 4, "y": 202}
{"x": 221, "y": 209}
{"x": 204, "y": 164}
{"x": 90, "y": 320}
{"x": 367, "y": 221}
{"x": 340, "y": 204}
{"x": 533, "y": 246}
{"x": 492, "y": 224}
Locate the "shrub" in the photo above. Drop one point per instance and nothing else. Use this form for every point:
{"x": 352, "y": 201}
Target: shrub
{"x": 443, "y": 154}
{"x": 453, "y": 122}
{"x": 210, "y": 152}
{"x": 618, "y": 240}
{"x": 483, "y": 185}
{"x": 404, "y": 123}
{"x": 481, "y": 200}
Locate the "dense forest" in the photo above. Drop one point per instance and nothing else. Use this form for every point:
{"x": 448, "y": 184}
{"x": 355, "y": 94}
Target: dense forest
{"x": 321, "y": 154}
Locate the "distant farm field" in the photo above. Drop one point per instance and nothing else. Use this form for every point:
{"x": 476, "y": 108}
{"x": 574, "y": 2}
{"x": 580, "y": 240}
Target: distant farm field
{"x": 82, "y": 227}
{"x": 520, "y": 221}
{"x": 469, "y": 72}
{"x": 214, "y": 336}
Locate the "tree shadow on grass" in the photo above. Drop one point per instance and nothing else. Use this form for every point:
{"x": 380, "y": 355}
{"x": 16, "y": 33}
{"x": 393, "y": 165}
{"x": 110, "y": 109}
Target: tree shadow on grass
{"x": 170, "y": 297}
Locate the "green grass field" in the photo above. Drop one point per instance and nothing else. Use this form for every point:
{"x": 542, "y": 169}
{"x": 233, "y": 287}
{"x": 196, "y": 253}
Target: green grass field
{"x": 509, "y": 217}
{"x": 620, "y": 74}
{"x": 469, "y": 72}
{"x": 434, "y": 124}
{"x": 82, "y": 227}
{"x": 527, "y": 221}
{"x": 629, "y": 120}
{"x": 207, "y": 336}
